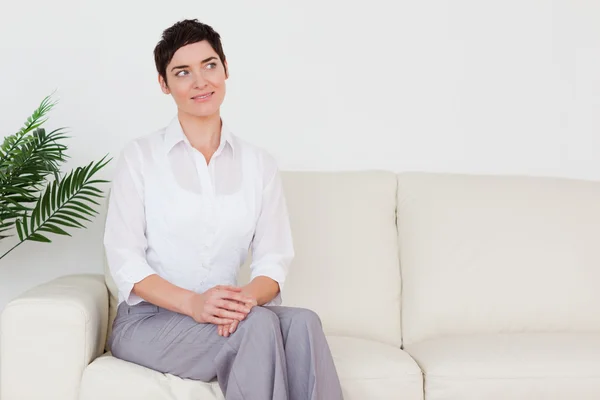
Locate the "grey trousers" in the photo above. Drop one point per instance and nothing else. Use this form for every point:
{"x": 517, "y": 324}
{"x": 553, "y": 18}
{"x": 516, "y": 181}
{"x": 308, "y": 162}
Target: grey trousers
{"x": 276, "y": 353}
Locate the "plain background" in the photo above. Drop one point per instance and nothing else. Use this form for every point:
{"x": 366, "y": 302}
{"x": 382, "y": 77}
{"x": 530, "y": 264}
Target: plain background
{"x": 469, "y": 86}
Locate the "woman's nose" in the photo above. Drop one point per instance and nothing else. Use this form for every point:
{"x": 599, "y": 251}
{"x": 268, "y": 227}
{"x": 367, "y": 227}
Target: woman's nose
{"x": 199, "y": 81}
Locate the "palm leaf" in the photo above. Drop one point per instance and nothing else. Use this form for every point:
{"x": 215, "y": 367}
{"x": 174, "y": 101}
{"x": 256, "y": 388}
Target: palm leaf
{"x": 28, "y": 202}
{"x": 31, "y": 161}
{"x": 34, "y": 121}
{"x": 63, "y": 204}
{"x": 26, "y": 159}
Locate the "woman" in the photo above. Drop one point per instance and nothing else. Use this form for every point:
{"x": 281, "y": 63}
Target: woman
{"x": 187, "y": 202}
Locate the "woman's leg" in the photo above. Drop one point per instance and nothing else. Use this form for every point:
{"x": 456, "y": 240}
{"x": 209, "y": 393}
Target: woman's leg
{"x": 250, "y": 364}
{"x": 311, "y": 371}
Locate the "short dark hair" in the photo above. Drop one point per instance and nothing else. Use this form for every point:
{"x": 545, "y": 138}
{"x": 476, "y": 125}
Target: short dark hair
{"x": 181, "y": 34}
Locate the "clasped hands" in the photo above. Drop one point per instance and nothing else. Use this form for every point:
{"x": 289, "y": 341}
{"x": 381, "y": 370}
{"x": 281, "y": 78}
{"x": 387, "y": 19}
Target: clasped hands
{"x": 224, "y": 306}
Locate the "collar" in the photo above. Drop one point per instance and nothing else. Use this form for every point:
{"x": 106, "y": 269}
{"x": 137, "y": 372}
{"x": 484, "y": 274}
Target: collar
{"x": 174, "y": 134}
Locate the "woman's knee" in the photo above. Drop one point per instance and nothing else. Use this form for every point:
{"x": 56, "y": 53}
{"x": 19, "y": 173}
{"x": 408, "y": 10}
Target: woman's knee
{"x": 306, "y": 316}
{"x": 261, "y": 317}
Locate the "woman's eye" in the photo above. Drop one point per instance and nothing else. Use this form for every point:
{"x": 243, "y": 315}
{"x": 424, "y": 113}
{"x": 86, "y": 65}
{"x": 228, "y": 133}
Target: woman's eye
{"x": 181, "y": 73}
{"x": 211, "y": 65}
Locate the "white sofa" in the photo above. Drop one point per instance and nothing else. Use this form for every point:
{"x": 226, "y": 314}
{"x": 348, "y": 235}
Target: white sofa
{"x": 429, "y": 286}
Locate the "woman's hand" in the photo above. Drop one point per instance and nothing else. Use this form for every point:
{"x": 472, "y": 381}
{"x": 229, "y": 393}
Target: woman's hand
{"x": 220, "y": 305}
{"x": 227, "y": 329}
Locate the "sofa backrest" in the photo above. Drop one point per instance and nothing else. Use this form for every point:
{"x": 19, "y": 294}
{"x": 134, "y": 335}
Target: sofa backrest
{"x": 488, "y": 254}
{"x": 346, "y": 266}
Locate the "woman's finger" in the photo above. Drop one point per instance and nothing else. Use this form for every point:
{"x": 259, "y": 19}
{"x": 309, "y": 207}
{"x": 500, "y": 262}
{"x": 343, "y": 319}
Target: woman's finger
{"x": 216, "y": 307}
{"x": 229, "y": 295}
{"x": 227, "y": 287}
{"x": 233, "y": 327}
{"x": 222, "y": 313}
{"x": 232, "y": 306}
{"x": 218, "y": 321}
{"x": 214, "y": 311}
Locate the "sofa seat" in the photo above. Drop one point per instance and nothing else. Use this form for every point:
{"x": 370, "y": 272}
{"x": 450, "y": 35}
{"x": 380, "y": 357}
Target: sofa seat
{"x": 368, "y": 370}
{"x": 510, "y": 366}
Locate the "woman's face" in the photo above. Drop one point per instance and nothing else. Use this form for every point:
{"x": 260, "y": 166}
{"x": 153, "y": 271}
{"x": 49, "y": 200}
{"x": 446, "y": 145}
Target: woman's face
{"x": 196, "y": 79}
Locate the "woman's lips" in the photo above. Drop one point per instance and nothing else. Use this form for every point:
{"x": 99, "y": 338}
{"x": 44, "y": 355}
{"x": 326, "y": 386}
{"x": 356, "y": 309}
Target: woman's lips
{"x": 203, "y": 97}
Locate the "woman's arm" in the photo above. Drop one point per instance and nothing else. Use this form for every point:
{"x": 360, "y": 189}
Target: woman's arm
{"x": 124, "y": 235}
{"x": 162, "y": 293}
{"x": 262, "y": 288}
{"x": 272, "y": 246}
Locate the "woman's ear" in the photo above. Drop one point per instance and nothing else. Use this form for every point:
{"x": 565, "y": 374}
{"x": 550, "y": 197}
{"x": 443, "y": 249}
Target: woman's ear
{"x": 226, "y": 69}
{"x": 163, "y": 85}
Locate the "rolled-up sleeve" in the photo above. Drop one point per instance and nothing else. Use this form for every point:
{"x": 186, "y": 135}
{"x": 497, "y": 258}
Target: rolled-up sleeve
{"x": 124, "y": 236}
{"x": 272, "y": 246}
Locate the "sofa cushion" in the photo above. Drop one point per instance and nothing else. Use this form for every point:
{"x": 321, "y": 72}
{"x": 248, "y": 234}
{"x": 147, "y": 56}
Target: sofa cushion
{"x": 346, "y": 266}
{"x": 511, "y": 366}
{"x": 493, "y": 254}
{"x": 111, "y": 378}
{"x": 368, "y": 371}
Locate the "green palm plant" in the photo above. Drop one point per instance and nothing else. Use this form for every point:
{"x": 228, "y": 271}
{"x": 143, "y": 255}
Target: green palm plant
{"x": 35, "y": 197}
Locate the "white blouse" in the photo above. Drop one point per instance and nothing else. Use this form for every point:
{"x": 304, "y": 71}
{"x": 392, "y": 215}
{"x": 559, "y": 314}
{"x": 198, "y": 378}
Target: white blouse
{"x": 171, "y": 214}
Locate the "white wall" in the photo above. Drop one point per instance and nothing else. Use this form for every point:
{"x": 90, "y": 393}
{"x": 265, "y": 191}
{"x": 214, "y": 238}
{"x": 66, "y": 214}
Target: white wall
{"x": 446, "y": 85}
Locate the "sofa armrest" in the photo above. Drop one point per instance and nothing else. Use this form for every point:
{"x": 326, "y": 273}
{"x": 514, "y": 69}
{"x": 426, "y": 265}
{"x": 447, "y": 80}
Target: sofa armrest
{"x": 49, "y": 334}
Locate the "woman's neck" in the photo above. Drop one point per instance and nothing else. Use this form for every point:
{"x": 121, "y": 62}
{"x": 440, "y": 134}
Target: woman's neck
{"x": 204, "y": 133}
